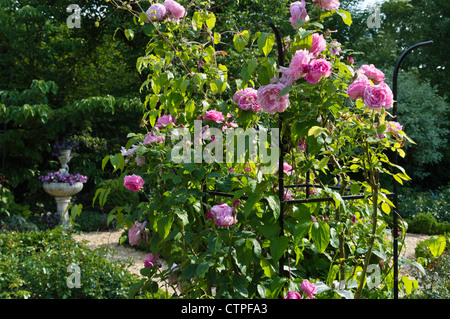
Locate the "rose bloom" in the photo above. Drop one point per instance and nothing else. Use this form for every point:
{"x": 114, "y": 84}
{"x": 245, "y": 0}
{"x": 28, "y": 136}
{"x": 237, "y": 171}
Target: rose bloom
{"x": 164, "y": 121}
{"x": 139, "y": 160}
{"x": 372, "y": 73}
{"x": 268, "y": 98}
{"x": 174, "y": 10}
{"x": 247, "y": 99}
{"x": 319, "y": 69}
{"x": 286, "y": 77}
{"x": 288, "y": 194}
{"x": 393, "y": 127}
{"x": 299, "y": 65}
{"x": 156, "y": 12}
{"x": 309, "y": 288}
{"x": 151, "y": 259}
{"x": 137, "y": 234}
{"x": 298, "y": 12}
{"x": 151, "y": 138}
{"x": 223, "y": 215}
{"x": 327, "y": 4}
{"x": 335, "y": 49}
{"x": 319, "y": 44}
{"x": 378, "y": 96}
{"x": 293, "y": 295}
{"x": 357, "y": 88}
{"x": 215, "y": 116}
{"x": 133, "y": 182}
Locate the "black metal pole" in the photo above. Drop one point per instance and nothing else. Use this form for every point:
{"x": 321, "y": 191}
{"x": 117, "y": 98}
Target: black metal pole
{"x": 395, "y": 186}
{"x": 281, "y": 148}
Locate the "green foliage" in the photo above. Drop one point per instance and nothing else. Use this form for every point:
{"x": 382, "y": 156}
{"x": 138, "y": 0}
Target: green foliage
{"x": 423, "y": 223}
{"x": 90, "y": 221}
{"x": 187, "y": 73}
{"x": 33, "y": 127}
{"x": 413, "y": 202}
{"x": 118, "y": 195}
{"x": 35, "y": 265}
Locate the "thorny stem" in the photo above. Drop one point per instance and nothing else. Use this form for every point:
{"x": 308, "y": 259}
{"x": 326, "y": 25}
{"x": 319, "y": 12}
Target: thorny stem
{"x": 374, "y": 180}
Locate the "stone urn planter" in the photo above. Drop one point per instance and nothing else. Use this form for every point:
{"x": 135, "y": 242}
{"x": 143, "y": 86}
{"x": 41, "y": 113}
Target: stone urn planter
{"x": 63, "y": 193}
{"x": 62, "y": 186}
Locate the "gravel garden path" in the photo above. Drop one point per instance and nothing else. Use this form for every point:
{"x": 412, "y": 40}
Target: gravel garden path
{"x": 110, "y": 240}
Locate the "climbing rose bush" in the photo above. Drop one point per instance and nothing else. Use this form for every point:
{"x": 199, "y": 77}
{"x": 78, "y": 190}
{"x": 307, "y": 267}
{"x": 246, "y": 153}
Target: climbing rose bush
{"x": 206, "y": 163}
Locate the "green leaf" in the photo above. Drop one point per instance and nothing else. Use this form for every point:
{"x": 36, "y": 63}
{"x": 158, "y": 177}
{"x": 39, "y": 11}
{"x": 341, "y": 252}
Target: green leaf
{"x": 346, "y": 17}
{"x": 240, "y": 40}
{"x": 266, "y": 42}
{"x": 320, "y": 234}
{"x": 277, "y": 247}
{"x": 436, "y": 245}
{"x": 203, "y": 267}
{"x": 274, "y": 204}
{"x": 183, "y": 215}
{"x": 105, "y": 161}
{"x": 117, "y": 161}
{"x": 285, "y": 91}
{"x": 316, "y": 131}
{"x": 164, "y": 224}
{"x": 129, "y": 34}
{"x": 211, "y": 21}
{"x": 268, "y": 269}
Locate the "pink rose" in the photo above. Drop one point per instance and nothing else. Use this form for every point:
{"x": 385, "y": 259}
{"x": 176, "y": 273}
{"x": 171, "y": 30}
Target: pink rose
{"x": 137, "y": 234}
{"x": 133, "y": 182}
{"x": 151, "y": 138}
{"x": 393, "y": 127}
{"x": 319, "y": 44}
{"x": 378, "y": 96}
{"x": 309, "y": 288}
{"x": 268, "y": 98}
{"x": 164, "y": 121}
{"x": 215, "y": 116}
{"x": 293, "y": 295}
{"x": 151, "y": 260}
{"x": 372, "y": 73}
{"x": 140, "y": 160}
{"x": 247, "y": 99}
{"x": 288, "y": 195}
{"x": 156, "y": 12}
{"x": 319, "y": 68}
{"x": 223, "y": 215}
{"x": 286, "y": 77}
{"x": 299, "y": 65}
{"x": 357, "y": 88}
{"x": 175, "y": 10}
{"x": 327, "y": 4}
{"x": 298, "y": 11}
{"x": 335, "y": 48}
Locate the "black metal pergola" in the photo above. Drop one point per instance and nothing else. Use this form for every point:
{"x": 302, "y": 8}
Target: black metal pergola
{"x": 307, "y": 185}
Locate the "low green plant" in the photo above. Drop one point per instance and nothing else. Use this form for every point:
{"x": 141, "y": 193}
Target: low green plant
{"x": 424, "y": 223}
{"x": 89, "y": 221}
{"x": 36, "y": 265}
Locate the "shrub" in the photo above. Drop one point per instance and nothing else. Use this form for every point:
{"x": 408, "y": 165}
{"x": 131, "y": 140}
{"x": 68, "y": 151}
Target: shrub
{"x": 424, "y": 223}
{"x": 413, "y": 202}
{"x": 35, "y": 265}
{"x": 89, "y": 221}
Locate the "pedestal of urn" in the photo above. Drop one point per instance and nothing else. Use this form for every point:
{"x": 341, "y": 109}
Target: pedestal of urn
{"x": 63, "y": 193}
